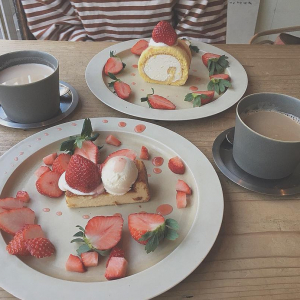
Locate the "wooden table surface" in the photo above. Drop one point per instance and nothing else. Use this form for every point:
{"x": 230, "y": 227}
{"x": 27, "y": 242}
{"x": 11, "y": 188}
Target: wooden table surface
{"x": 257, "y": 252}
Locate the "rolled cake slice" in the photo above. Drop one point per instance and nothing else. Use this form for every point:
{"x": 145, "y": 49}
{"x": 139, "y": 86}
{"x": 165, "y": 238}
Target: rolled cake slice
{"x": 166, "y": 64}
{"x": 139, "y": 192}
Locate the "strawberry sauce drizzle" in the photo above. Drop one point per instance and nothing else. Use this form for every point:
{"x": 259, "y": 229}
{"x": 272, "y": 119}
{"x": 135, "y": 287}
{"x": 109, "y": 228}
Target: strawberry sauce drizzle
{"x": 157, "y": 170}
{"x": 104, "y": 121}
{"x": 139, "y": 128}
{"x": 86, "y": 216}
{"x": 46, "y": 209}
{"x": 118, "y": 215}
{"x": 164, "y": 209}
{"x": 157, "y": 161}
{"x": 122, "y": 124}
{"x": 59, "y": 213}
{"x": 193, "y": 88}
{"x": 135, "y": 66}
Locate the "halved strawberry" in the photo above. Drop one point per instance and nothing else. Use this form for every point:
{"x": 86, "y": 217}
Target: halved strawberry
{"x": 139, "y": 47}
{"x": 74, "y": 264}
{"x": 219, "y": 83}
{"x": 207, "y": 56}
{"x": 122, "y": 152}
{"x": 47, "y": 184}
{"x": 89, "y": 259}
{"x": 121, "y": 88}
{"x": 82, "y": 174}
{"x": 181, "y": 200}
{"x": 176, "y": 165}
{"x": 23, "y": 196}
{"x": 112, "y": 140}
{"x": 215, "y": 63}
{"x": 200, "y": 98}
{"x": 49, "y": 159}
{"x": 61, "y": 162}
{"x": 163, "y": 32}
{"x": 221, "y": 76}
{"x": 11, "y": 203}
{"x": 116, "y": 268}
{"x": 40, "y": 247}
{"x": 149, "y": 229}
{"x": 182, "y": 186}
{"x": 88, "y": 150}
{"x": 41, "y": 170}
{"x": 114, "y": 64}
{"x": 115, "y": 252}
{"x": 13, "y": 220}
{"x": 158, "y": 102}
{"x": 144, "y": 153}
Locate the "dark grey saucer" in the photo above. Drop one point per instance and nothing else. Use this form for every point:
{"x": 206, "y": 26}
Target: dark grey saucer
{"x": 68, "y": 103}
{"x": 222, "y": 154}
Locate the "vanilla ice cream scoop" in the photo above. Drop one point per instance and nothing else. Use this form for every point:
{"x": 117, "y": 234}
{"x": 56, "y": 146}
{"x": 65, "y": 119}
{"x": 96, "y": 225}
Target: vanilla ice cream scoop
{"x": 118, "y": 175}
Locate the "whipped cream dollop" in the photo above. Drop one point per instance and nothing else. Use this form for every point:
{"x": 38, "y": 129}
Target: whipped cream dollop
{"x": 159, "y": 44}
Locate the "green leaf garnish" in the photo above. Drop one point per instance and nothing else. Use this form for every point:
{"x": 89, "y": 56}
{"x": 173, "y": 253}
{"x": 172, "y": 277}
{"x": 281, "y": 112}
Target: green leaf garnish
{"x": 196, "y": 98}
{"x": 79, "y": 233}
{"x": 83, "y": 248}
{"x": 217, "y": 65}
{"x": 77, "y": 240}
{"x": 194, "y": 48}
{"x": 218, "y": 85}
{"x": 144, "y": 99}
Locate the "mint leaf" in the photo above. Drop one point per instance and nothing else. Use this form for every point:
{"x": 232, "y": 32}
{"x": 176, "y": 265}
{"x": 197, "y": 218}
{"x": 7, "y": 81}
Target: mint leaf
{"x": 171, "y": 223}
{"x": 78, "y": 240}
{"x": 83, "y": 248}
{"x": 189, "y": 97}
{"x": 171, "y": 234}
{"x": 152, "y": 244}
{"x": 79, "y": 233}
{"x": 80, "y": 227}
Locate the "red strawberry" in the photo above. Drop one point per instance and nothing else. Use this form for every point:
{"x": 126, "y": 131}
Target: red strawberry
{"x": 88, "y": 150}
{"x": 13, "y": 220}
{"x": 163, "y": 32}
{"x": 144, "y": 153}
{"x": 74, "y": 264}
{"x": 11, "y": 203}
{"x": 41, "y": 170}
{"x": 215, "y": 63}
{"x": 40, "y": 247}
{"x": 219, "y": 83}
{"x": 122, "y": 89}
{"x": 49, "y": 159}
{"x": 200, "y": 98}
{"x": 220, "y": 76}
{"x": 116, "y": 268}
{"x": 181, "y": 200}
{"x": 112, "y": 140}
{"x": 104, "y": 232}
{"x": 149, "y": 229}
{"x": 114, "y": 64}
{"x": 23, "y": 196}
{"x": 182, "y": 186}
{"x": 176, "y": 165}
{"x": 115, "y": 252}
{"x": 89, "y": 259}
{"x": 47, "y": 184}
{"x": 60, "y": 164}
{"x": 207, "y": 56}
{"x": 82, "y": 174}
{"x": 158, "y": 102}
{"x": 139, "y": 47}
{"x": 122, "y": 152}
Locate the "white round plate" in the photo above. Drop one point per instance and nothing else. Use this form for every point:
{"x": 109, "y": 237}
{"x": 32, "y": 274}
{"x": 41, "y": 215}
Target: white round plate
{"x": 198, "y": 78}
{"x": 171, "y": 262}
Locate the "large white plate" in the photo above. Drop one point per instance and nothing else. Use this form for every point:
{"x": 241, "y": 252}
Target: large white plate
{"x": 198, "y": 77}
{"x": 148, "y": 274}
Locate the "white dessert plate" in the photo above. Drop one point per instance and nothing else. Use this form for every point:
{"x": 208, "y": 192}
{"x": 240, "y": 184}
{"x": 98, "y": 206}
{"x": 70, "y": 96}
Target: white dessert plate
{"x": 198, "y": 79}
{"x": 148, "y": 274}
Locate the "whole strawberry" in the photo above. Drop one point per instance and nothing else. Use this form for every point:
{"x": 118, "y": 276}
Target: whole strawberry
{"x": 163, "y": 32}
{"x": 82, "y": 174}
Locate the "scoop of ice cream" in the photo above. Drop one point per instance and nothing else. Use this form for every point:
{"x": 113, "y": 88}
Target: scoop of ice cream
{"x": 118, "y": 175}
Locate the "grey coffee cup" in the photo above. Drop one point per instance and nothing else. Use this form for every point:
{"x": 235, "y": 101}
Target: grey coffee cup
{"x": 256, "y": 154}
{"x": 33, "y": 102}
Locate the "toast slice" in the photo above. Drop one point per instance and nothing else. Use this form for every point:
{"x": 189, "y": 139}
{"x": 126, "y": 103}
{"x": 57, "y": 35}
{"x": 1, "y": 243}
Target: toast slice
{"x": 138, "y": 193}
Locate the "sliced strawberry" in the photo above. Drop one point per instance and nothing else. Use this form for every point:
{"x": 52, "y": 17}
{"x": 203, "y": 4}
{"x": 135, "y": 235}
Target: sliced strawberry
{"x": 181, "y": 200}
{"x": 207, "y": 56}
{"x": 163, "y": 32}
{"x": 61, "y": 162}
{"x": 74, "y": 264}
{"x": 23, "y": 196}
{"x": 139, "y": 47}
{"x": 215, "y": 63}
{"x": 13, "y": 220}
{"x": 122, "y": 89}
{"x": 82, "y": 174}
{"x": 114, "y": 64}
{"x": 112, "y": 140}
{"x": 2, "y": 210}
{"x": 122, "y": 152}
{"x": 220, "y": 76}
{"x": 11, "y": 203}
{"x": 47, "y": 184}
{"x": 89, "y": 259}
{"x": 176, "y": 165}
{"x": 115, "y": 252}
{"x": 41, "y": 170}
{"x": 144, "y": 153}
{"x": 49, "y": 159}
{"x": 200, "y": 98}
{"x": 219, "y": 83}
{"x": 40, "y": 247}
{"x": 104, "y": 232}
{"x": 158, "y": 102}
{"x": 116, "y": 268}
{"x": 88, "y": 150}
{"x": 150, "y": 229}
{"x": 182, "y": 186}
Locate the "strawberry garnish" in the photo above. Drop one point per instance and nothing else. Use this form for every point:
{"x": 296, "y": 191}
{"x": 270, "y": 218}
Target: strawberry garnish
{"x": 115, "y": 252}
{"x": 158, "y": 102}
{"x": 41, "y": 170}
{"x": 40, "y": 247}
{"x": 181, "y": 200}
{"x": 60, "y": 164}
{"x": 122, "y": 152}
{"x": 11, "y": 221}
{"x": 49, "y": 159}
{"x": 144, "y": 153}
{"x": 176, "y": 165}
{"x": 82, "y": 174}
{"x": 163, "y": 32}
{"x": 200, "y": 98}
{"x": 23, "y": 196}
{"x": 11, "y": 203}
{"x": 74, "y": 264}
{"x": 89, "y": 259}
{"x": 139, "y": 47}
{"x": 114, "y": 64}
{"x": 219, "y": 83}
{"x": 182, "y": 186}
{"x": 215, "y": 63}
{"x": 47, "y": 184}
{"x": 112, "y": 140}
{"x": 116, "y": 268}
{"x": 88, "y": 150}
{"x": 121, "y": 88}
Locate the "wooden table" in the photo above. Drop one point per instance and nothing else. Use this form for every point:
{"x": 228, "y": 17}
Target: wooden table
{"x": 257, "y": 252}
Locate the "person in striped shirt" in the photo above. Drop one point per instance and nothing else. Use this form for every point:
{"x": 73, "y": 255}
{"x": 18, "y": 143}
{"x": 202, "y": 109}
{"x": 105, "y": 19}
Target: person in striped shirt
{"x": 116, "y": 20}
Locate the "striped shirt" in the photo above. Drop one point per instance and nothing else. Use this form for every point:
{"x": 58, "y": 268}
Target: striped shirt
{"x": 116, "y": 20}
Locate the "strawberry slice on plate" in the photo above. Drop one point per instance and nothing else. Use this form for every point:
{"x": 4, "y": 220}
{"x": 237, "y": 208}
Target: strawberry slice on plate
{"x": 74, "y": 264}
{"x": 23, "y": 196}
{"x": 200, "y": 98}
{"x": 11, "y": 203}
{"x": 122, "y": 152}
{"x": 163, "y": 32}
{"x": 144, "y": 153}
{"x": 49, "y": 159}
{"x": 158, "y": 102}
{"x": 182, "y": 186}
{"x": 219, "y": 83}
{"x": 112, "y": 140}
{"x": 176, "y": 165}
{"x": 181, "y": 200}
{"x": 139, "y": 47}
{"x": 47, "y": 184}
{"x": 114, "y": 64}
{"x": 116, "y": 268}
{"x": 40, "y": 247}
{"x": 215, "y": 63}
{"x": 89, "y": 259}
{"x": 88, "y": 150}
{"x": 121, "y": 88}
{"x": 115, "y": 252}
{"x": 41, "y": 170}
{"x": 60, "y": 164}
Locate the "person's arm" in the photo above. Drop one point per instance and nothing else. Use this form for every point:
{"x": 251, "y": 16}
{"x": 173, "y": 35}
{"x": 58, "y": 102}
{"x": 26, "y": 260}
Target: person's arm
{"x": 203, "y": 20}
